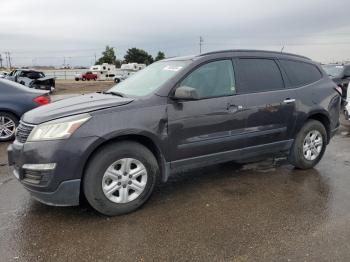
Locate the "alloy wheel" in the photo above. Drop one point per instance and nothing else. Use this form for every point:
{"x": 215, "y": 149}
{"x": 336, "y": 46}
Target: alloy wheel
{"x": 124, "y": 180}
{"x": 7, "y": 127}
{"x": 312, "y": 146}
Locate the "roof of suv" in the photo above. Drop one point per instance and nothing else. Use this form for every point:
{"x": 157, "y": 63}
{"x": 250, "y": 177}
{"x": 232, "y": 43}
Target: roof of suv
{"x": 262, "y": 52}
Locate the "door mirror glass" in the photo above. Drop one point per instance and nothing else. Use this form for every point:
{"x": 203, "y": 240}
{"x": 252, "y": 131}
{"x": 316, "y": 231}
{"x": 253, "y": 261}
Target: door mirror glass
{"x": 186, "y": 93}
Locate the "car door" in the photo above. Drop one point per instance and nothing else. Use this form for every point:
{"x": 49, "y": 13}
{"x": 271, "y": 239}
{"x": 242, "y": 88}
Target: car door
{"x": 270, "y": 107}
{"x": 199, "y": 130}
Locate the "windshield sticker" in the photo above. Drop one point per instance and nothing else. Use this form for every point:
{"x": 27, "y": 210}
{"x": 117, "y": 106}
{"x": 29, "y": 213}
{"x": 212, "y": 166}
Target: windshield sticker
{"x": 172, "y": 68}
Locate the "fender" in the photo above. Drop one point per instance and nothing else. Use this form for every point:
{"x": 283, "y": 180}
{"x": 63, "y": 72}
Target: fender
{"x": 142, "y": 136}
{"x": 302, "y": 118}
{"x": 11, "y": 109}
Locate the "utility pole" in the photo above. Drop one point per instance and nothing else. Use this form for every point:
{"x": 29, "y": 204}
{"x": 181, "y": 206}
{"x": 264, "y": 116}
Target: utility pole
{"x": 0, "y": 61}
{"x": 7, "y": 62}
{"x": 201, "y": 40}
{"x": 8, "y": 59}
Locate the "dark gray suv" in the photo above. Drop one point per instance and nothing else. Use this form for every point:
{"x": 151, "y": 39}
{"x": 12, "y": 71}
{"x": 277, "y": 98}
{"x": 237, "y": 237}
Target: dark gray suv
{"x": 112, "y": 147}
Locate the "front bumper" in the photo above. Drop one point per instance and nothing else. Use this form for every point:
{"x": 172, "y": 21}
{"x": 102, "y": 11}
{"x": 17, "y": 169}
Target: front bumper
{"x": 61, "y": 185}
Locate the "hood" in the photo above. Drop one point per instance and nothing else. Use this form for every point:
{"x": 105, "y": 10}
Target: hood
{"x": 72, "y": 106}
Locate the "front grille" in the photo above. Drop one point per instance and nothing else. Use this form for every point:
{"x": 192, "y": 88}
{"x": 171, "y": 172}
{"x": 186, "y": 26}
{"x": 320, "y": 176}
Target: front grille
{"x": 23, "y": 131}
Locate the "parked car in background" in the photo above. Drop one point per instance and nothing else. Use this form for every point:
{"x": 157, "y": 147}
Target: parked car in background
{"x": 32, "y": 79}
{"x": 177, "y": 113}
{"x": 3, "y": 74}
{"x": 15, "y": 100}
{"x": 86, "y": 76}
{"x": 340, "y": 74}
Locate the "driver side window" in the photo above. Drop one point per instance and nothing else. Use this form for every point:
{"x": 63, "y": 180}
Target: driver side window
{"x": 213, "y": 79}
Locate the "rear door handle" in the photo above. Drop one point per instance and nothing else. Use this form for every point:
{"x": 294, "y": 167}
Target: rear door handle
{"x": 289, "y": 100}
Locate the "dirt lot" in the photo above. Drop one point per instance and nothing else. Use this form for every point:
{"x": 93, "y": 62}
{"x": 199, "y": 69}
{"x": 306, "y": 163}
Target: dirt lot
{"x": 64, "y": 87}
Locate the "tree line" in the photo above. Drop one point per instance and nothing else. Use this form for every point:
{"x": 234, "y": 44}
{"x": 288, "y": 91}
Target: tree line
{"x": 133, "y": 55}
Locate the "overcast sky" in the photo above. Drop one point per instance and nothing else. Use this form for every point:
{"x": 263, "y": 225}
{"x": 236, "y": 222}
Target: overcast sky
{"x": 42, "y": 32}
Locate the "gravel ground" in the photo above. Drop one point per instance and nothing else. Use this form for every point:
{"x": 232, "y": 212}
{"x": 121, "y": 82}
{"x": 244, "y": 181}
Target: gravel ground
{"x": 78, "y": 87}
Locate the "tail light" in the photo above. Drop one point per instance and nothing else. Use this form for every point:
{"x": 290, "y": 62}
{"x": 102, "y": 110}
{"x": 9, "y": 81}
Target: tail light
{"x": 339, "y": 90}
{"x": 42, "y": 100}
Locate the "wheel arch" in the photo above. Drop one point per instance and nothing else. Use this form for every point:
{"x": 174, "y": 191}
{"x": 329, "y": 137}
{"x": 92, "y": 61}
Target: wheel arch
{"x": 139, "y": 138}
{"x": 10, "y": 111}
{"x": 324, "y": 119}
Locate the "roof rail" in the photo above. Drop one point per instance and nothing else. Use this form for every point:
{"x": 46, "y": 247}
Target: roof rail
{"x": 249, "y": 50}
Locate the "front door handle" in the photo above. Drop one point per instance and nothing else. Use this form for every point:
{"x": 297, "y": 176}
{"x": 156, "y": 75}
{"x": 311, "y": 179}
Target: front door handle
{"x": 289, "y": 100}
{"x": 233, "y": 107}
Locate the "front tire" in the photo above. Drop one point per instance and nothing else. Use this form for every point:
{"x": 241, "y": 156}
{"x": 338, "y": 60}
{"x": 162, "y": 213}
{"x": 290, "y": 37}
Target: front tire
{"x": 309, "y": 145}
{"x": 120, "y": 178}
{"x": 8, "y": 124}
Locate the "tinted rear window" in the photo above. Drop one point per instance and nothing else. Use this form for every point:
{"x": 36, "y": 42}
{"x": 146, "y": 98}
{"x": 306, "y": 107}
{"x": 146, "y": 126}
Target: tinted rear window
{"x": 300, "y": 73}
{"x": 259, "y": 75}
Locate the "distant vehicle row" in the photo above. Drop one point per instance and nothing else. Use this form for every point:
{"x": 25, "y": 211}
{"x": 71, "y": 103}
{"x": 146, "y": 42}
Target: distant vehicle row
{"x": 32, "y": 79}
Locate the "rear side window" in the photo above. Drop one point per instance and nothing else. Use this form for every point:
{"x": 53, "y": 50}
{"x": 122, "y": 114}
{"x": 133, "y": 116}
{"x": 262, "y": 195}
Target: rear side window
{"x": 300, "y": 73}
{"x": 259, "y": 75}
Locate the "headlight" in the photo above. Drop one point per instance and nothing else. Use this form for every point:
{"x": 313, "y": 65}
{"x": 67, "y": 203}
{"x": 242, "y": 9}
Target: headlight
{"x": 58, "y": 129}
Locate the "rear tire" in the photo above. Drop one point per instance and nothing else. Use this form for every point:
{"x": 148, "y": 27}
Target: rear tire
{"x": 8, "y": 124}
{"x": 309, "y": 145}
{"x": 107, "y": 183}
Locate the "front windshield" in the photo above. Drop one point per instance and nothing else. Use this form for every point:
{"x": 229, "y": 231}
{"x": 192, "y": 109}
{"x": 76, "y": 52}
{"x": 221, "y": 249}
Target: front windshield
{"x": 149, "y": 79}
{"x": 334, "y": 70}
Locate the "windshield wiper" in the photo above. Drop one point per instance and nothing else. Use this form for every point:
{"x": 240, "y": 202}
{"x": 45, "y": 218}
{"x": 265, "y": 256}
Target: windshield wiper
{"x": 113, "y": 93}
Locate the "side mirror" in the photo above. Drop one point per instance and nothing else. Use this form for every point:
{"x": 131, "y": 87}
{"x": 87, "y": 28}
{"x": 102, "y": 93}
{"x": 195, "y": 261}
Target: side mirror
{"x": 186, "y": 93}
